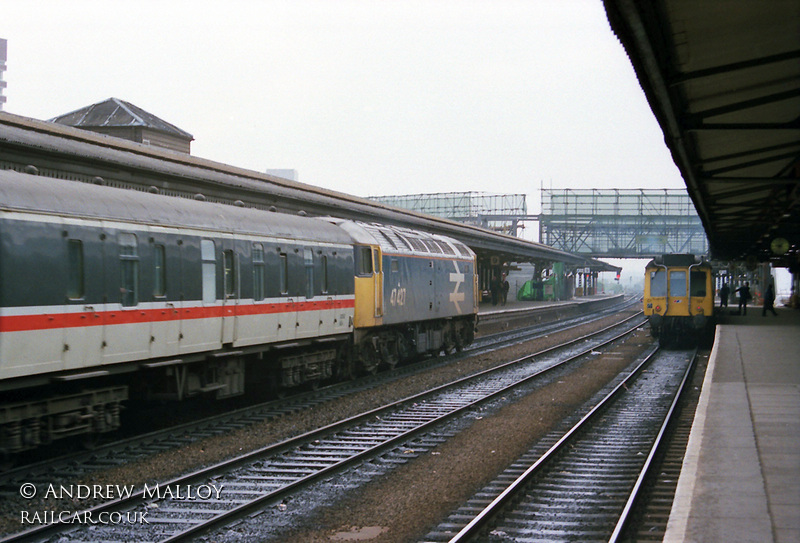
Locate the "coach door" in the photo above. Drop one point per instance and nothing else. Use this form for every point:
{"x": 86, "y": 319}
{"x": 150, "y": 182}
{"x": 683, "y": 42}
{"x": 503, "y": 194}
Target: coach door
{"x": 230, "y": 292}
{"x": 84, "y": 337}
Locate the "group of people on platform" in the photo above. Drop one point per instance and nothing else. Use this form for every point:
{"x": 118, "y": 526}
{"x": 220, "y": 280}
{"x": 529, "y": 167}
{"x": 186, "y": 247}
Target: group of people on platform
{"x": 745, "y": 296}
{"x": 499, "y": 290}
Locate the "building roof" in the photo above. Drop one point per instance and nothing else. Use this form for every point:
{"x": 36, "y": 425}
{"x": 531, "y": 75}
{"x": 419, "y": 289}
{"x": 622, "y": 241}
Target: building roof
{"x": 114, "y": 113}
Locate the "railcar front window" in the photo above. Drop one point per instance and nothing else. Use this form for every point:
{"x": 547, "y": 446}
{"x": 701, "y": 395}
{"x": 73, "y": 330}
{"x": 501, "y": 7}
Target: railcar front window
{"x": 129, "y": 266}
{"x": 658, "y": 284}
{"x": 677, "y": 283}
{"x": 697, "y": 282}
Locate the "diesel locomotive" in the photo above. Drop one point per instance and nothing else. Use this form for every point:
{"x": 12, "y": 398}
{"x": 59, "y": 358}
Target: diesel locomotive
{"x": 109, "y": 294}
{"x": 679, "y": 298}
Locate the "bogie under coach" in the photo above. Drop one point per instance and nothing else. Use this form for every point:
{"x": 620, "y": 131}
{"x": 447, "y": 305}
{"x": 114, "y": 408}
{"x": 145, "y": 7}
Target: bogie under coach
{"x": 679, "y": 298}
{"x": 108, "y": 294}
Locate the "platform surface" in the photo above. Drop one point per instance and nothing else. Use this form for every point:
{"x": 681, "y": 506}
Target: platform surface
{"x": 741, "y": 475}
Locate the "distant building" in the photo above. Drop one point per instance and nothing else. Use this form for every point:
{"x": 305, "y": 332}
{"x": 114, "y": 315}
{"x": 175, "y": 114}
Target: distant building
{"x": 115, "y": 117}
{"x": 3, "y": 58}
{"x": 284, "y": 173}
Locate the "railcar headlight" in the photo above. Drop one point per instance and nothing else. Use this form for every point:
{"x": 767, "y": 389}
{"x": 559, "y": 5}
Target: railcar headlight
{"x": 700, "y": 310}
{"x": 658, "y": 309}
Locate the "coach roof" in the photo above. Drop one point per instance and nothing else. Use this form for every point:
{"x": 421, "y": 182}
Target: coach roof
{"x": 31, "y": 193}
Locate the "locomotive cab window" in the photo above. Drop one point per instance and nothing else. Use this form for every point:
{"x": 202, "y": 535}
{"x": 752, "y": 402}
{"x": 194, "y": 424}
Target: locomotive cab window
{"x": 376, "y": 265}
{"x": 75, "y": 282}
{"x": 129, "y": 267}
{"x": 364, "y": 261}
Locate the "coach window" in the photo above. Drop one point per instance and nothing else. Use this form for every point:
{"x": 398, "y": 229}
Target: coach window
{"x": 258, "y": 272}
{"x": 75, "y": 289}
{"x": 677, "y": 283}
{"x": 207, "y": 254}
{"x": 284, "y": 274}
{"x": 159, "y": 271}
{"x": 324, "y": 266}
{"x": 129, "y": 266}
{"x": 229, "y": 271}
{"x": 308, "y": 258}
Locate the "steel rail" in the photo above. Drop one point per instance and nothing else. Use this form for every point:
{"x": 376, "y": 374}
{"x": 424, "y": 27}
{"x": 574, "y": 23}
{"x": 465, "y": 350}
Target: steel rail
{"x": 485, "y": 517}
{"x": 227, "y": 466}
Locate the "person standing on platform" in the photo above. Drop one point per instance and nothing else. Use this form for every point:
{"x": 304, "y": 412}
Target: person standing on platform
{"x": 769, "y": 301}
{"x": 504, "y": 291}
{"x": 724, "y": 293}
{"x": 494, "y": 288}
{"x": 744, "y": 295}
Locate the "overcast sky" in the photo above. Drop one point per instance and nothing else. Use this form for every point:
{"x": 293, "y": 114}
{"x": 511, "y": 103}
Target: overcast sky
{"x": 363, "y": 97}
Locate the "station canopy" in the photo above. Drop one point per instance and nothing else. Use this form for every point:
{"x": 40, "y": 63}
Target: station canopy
{"x": 723, "y": 80}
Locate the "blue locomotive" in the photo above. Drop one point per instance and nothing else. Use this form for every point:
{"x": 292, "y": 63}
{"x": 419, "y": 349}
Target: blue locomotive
{"x": 108, "y": 294}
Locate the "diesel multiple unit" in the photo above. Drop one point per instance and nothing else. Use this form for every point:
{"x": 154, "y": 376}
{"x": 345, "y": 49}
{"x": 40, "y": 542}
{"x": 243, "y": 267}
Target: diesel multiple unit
{"x": 109, "y": 294}
{"x": 678, "y": 297}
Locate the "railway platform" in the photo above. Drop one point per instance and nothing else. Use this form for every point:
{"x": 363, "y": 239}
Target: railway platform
{"x": 741, "y": 474}
{"x": 494, "y": 318}
{"x": 513, "y": 305}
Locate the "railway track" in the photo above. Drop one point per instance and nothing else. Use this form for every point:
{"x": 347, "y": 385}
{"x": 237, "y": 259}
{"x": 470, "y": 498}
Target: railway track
{"x": 234, "y": 488}
{"x": 127, "y": 450}
{"x": 584, "y": 486}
